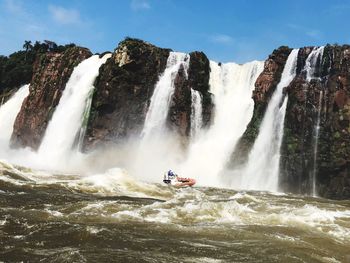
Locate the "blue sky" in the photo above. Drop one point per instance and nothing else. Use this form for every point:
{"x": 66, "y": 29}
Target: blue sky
{"x": 226, "y": 30}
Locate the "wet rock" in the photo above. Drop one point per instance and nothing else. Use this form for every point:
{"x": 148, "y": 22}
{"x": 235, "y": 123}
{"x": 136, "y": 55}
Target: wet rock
{"x": 271, "y": 75}
{"x": 123, "y": 91}
{"x": 341, "y": 98}
{"x": 197, "y": 79}
{"x": 265, "y": 85}
{"x": 333, "y": 158}
{"x": 51, "y": 72}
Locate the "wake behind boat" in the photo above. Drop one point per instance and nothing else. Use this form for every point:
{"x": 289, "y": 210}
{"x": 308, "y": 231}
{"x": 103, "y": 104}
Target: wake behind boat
{"x": 173, "y": 179}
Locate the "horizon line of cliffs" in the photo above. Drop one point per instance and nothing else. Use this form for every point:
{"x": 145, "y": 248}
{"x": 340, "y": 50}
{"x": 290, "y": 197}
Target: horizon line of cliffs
{"x": 125, "y": 84}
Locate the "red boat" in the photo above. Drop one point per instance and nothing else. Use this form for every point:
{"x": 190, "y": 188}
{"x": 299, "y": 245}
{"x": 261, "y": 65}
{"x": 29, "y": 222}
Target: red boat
{"x": 182, "y": 182}
{"x": 173, "y": 179}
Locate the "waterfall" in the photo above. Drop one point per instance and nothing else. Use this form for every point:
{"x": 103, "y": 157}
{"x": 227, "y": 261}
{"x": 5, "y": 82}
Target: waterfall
{"x": 317, "y": 132}
{"x": 8, "y": 114}
{"x": 155, "y": 121}
{"x": 157, "y": 150}
{"x": 311, "y": 62}
{"x": 84, "y": 124}
{"x": 68, "y": 117}
{"x": 232, "y": 86}
{"x": 310, "y": 69}
{"x": 262, "y": 169}
{"x": 196, "y": 112}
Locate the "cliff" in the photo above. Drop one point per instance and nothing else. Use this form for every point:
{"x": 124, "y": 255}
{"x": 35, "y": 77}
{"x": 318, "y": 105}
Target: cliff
{"x": 123, "y": 91}
{"x": 198, "y": 79}
{"x": 126, "y": 83}
{"x": 51, "y": 72}
{"x": 327, "y": 97}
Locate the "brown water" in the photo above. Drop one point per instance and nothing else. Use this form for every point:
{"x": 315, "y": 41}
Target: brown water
{"x": 113, "y": 218}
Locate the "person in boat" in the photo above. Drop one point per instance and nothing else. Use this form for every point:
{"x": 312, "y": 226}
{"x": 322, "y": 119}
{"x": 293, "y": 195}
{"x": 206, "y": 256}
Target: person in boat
{"x": 170, "y": 177}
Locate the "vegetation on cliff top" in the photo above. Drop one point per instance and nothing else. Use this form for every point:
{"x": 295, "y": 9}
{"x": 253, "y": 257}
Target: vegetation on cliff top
{"x": 17, "y": 68}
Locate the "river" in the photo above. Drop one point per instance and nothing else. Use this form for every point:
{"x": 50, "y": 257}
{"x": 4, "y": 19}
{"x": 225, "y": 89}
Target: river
{"x": 112, "y": 217}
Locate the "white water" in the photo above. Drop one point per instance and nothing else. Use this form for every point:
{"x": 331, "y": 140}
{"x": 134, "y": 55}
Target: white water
{"x": 261, "y": 172}
{"x": 196, "y": 113}
{"x": 68, "y": 116}
{"x": 232, "y": 86}
{"x": 310, "y": 68}
{"x": 85, "y": 117}
{"x": 8, "y": 114}
{"x": 311, "y": 61}
{"x": 317, "y": 134}
{"x": 155, "y": 122}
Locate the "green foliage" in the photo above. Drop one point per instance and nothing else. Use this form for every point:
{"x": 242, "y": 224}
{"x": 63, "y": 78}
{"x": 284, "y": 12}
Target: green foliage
{"x": 133, "y": 39}
{"x": 17, "y": 68}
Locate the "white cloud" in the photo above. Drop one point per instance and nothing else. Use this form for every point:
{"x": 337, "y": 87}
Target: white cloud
{"x": 139, "y": 5}
{"x": 65, "y": 16}
{"x": 221, "y": 39}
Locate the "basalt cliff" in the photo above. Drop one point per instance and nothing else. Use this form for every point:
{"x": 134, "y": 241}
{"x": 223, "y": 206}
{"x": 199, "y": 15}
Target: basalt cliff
{"x": 316, "y": 140}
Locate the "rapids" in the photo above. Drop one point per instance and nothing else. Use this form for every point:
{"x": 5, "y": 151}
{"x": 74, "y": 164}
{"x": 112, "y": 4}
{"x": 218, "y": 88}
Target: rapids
{"x": 114, "y": 217}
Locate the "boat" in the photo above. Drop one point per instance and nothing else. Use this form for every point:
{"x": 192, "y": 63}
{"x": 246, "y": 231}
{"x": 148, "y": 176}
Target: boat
{"x": 173, "y": 179}
{"x": 183, "y": 182}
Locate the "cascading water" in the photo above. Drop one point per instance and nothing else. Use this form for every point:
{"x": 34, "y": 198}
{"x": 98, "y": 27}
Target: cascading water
{"x": 317, "y": 133}
{"x": 155, "y": 142}
{"x": 68, "y": 117}
{"x": 8, "y": 113}
{"x": 84, "y": 124}
{"x": 232, "y": 86}
{"x": 161, "y": 98}
{"x": 262, "y": 169}
{"x": 310, "y": 68}
{"x": 311, "y": 62}
{"x": 196, "y": 112}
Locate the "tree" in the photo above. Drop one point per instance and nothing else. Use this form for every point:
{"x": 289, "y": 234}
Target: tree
{"x": 37, "y": 45}
{"x": 51, "y": 45}
{"x": 27, "y": 45}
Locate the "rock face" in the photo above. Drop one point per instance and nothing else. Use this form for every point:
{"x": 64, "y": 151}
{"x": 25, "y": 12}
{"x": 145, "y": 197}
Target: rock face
{"x": 126, "y": 84}
{"x": 327, "y": 95}
{"x": 264, "y": 87}
{"x": 123, "y": 91}
{"x": 179, "y": 118}
{"x": 50, "y": 75}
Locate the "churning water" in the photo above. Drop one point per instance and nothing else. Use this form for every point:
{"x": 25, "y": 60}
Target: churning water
{"x": 111, "y": 217}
